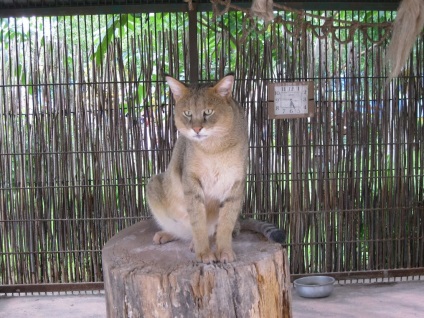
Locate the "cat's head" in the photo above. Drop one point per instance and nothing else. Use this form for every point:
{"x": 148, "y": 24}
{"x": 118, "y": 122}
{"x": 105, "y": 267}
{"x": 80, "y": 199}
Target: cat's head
{"x": 203, "y": 111}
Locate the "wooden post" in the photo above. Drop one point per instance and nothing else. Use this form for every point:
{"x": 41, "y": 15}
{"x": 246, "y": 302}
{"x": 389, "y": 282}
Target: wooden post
{"x": 146, "y": 280}
{"x": 193, "y": 51}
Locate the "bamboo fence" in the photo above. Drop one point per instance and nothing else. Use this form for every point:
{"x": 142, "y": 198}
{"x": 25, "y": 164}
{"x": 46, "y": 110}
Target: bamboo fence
{"x": 79, "y": 140}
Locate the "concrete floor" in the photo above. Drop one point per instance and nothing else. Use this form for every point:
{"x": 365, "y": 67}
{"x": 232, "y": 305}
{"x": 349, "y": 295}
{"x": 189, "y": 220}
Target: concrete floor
{"x": 400, "y": 299}
{"x": 370, "y": 300}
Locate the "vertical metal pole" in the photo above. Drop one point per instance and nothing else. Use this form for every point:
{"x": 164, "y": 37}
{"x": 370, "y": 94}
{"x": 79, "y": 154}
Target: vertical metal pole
{"x": 192, "y": 45}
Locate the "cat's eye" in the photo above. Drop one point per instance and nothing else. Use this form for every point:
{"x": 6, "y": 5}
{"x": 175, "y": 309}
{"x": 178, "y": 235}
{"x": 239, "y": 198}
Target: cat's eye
{"x": 208, "y": 112}
{"x": 187, "y": 113}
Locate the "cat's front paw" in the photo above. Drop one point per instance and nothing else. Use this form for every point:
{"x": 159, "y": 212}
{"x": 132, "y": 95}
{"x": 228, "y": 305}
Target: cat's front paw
{"x": 162, "y": 237}
{"x": 226, "y": 256}
{"x": 206, "y": 257}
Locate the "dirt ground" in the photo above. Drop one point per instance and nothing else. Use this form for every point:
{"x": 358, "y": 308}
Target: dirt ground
{"x": 400, "y": 299}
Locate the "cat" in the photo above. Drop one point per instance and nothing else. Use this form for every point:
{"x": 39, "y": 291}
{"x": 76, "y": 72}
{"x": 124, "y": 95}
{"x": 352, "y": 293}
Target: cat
{"x": 200, "y": 195}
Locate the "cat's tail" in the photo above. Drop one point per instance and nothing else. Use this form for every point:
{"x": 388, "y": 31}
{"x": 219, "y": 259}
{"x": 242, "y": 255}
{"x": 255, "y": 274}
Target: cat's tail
{"x": 408, "y": 25}
{"x": 270, "y": 231}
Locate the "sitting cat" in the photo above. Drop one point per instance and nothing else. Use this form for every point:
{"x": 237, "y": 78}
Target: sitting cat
{"x": 201, "y": 193}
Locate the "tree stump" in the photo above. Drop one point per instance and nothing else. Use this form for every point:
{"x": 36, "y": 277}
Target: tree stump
{"x": 146, "y": 280}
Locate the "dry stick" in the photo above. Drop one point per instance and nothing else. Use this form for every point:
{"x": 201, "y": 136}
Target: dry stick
{"x": 92, "y": 134}
{"x": 120, "y": 128}
{"x": 40, "y": 261}
{"x": 10, "y": 226}
{"x": 6, "y": 160}
{"x": 131, "y": 127}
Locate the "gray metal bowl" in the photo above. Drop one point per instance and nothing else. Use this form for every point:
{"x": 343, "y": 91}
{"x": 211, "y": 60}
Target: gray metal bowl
{"x": 314, "y": 286}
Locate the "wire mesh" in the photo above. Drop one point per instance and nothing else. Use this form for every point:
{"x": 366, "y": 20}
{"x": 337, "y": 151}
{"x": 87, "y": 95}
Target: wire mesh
{"x": 86, "y": 119}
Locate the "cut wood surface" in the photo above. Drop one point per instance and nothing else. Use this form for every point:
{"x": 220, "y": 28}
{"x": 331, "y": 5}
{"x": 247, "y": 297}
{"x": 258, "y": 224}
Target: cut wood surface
{"x": 147, "y": 280}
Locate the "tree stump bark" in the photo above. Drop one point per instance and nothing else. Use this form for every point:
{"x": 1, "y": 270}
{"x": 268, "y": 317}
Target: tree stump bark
{"x": 146, "y": 280}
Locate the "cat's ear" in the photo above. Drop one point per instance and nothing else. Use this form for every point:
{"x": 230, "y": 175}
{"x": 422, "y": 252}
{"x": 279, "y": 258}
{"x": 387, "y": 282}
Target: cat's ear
{"x": 225, "y": 86}
{"x": 178, "y": 89}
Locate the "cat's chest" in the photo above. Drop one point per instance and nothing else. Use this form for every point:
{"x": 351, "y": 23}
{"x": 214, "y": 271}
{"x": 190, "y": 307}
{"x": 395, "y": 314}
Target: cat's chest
{"x": 218, "y": 176}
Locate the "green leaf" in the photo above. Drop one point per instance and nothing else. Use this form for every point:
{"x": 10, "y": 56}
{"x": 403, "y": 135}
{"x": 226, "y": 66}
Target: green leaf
{"x": 115, "y": 28}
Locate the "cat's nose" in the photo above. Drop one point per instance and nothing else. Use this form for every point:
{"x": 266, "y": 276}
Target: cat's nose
{"x": 197, "y": 129}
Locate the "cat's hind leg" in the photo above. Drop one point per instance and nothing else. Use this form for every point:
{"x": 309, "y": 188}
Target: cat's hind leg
{"x": 168, "y": 209}
{"x": 157, "y": 200}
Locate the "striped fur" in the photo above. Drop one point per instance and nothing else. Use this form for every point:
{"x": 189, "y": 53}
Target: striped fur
{"x": 270, "y": 231}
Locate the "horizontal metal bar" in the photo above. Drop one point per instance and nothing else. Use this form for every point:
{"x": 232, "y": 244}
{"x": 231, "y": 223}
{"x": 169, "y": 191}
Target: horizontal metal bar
{"x": 50, "y": 288}
{"x": 31, "y": 9}
{"x": 342, "y": 5}
{"x": 92, "y": 10}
